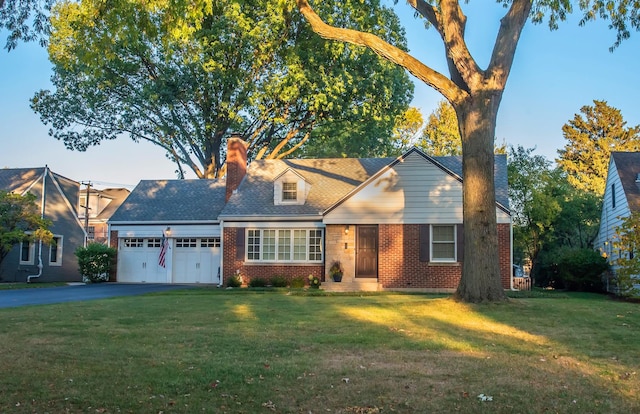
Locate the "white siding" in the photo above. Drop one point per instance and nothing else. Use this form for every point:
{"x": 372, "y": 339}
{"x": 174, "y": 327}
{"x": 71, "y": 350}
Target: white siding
{"x": 610, "y": 217}
{"x": 413, "y": 191}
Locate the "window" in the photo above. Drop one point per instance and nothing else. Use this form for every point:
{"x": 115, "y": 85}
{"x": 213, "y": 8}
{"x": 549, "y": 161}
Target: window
{"x": 55, "y": 252}
{"x": 613, "y": 196}
{"x": 186, "y": 243}
{"x": 210, "y": 242}
{"x": 284, "y": 245}
{"x": 443, "y": 243}
{"x": 155, "y": 242}
{"x": 27, "y": 252}
{"x": 289, "y": 191}
{"x": 133, "y": 242}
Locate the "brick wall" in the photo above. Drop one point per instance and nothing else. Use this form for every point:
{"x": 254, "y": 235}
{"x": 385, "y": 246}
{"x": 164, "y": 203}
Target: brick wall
{"x": 231, "y": 264}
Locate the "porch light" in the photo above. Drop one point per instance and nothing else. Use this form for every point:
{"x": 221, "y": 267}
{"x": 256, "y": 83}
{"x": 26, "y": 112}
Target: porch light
{"x": 346, "y": 229}
{"x": 168, "y": 230}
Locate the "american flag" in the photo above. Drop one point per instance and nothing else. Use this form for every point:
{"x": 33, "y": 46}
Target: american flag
{"x": 164, "y": 245}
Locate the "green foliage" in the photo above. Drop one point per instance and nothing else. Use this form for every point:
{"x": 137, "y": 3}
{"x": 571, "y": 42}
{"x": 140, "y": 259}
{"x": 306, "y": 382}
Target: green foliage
{"x": 627, "y": 265}
{"x": 183, "y": 77}
{"x": 572, "y": 269}
{"x": 258, "y": 282}
{"x": 441, "y": 135}
{"x": 314, "y": 282}
{"x": 298, "y": 282}
{"x": 279, "y": 281}
{"x": 19, "y": 221}
{"x": 234, "y": 281}
{"x": 592, "y": 137}
{"x": 95, "y": 262}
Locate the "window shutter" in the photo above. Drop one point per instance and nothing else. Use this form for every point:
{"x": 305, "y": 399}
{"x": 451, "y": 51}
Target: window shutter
{"x": 460, "y": 241}
{"x": 424, "y": 242}
{"x": 240, "y": 243}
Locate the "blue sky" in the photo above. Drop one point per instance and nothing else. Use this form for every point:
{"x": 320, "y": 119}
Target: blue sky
{"x": 554, "y": 75}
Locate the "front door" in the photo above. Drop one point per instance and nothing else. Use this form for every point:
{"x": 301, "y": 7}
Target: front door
{"x": 367, "y": 251}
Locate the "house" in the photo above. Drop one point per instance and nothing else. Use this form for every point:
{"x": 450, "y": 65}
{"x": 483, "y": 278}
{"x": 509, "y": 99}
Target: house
{"x": 58, "y": 200}
{"x": 181, "y": 213}
{"x": 621, "y": 198}
{"x": 392, "y": 223}
{"x": 95, "y": 213}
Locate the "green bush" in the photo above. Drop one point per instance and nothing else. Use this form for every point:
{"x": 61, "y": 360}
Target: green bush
{"x": 95, "y": 262}
{"x": 298, "y": 282}
{"x": 279, "y": 281}
{"x": 257, "y": 282}
{"x": 234, "y": 281}
{"x": 572, "y": 269}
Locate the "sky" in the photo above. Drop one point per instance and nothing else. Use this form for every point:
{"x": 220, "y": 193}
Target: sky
{"x": 554, "y": 74}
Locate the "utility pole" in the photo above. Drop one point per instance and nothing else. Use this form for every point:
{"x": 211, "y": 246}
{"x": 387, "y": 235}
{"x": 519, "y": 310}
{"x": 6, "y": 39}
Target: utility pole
{"x": 86, "y": 213}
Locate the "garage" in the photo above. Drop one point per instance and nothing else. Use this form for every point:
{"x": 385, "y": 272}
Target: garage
{"x": 196, "y": 260}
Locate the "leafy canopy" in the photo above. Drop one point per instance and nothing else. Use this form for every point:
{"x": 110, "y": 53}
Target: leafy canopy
{"x": 20, "y": 221}
{"x": 592, "y": 137}
{"x": 184, "y": 75}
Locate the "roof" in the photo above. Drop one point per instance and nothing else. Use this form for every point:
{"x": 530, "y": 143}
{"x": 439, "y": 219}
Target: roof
{"x": 117, "y": 196}
{"x": 172, "y": 201}
{"x": 628, "y": 165}
{"x": 330, "y": 180}
{"x": 19, "y": 179}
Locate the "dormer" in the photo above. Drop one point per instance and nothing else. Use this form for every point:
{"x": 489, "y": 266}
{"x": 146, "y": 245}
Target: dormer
{"x": 290, "y": 188}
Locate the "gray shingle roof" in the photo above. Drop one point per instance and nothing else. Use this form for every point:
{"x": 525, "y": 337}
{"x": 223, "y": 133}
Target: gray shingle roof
{"x": 330, "y": 180}
{"x": 628, "y": 165}
{"x": 18, "y": 179}
{"x": 172, "y": 200}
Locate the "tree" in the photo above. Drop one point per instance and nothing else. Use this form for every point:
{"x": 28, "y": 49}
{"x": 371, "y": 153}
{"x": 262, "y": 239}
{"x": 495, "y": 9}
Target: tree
{"x": 185, "y": 76}
{"x": 628, "y": 263}
{"x": 25, "y": 20}
{"x": 406, "y": 128}
{"x": 441, "y": 135}
{"x": 20, "y": 220}
{"x": 475, "y": 94}
{"x": 592, "y": 138}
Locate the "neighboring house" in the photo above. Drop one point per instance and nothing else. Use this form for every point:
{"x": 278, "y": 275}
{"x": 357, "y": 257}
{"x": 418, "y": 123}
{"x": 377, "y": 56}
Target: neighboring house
{"x": 393, "y": 223}
{"x": 101, "y": 206}
{"x": 35, "y": 261}
{"x": 182, "y": 213}
{"x": 621, "y": 198}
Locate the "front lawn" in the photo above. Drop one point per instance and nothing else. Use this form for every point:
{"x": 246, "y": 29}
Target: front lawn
{"x": 206, "y": 350}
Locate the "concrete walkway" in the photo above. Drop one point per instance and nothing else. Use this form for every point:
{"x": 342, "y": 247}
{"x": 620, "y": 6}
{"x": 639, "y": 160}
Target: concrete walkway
{"x": 12, "y": 298}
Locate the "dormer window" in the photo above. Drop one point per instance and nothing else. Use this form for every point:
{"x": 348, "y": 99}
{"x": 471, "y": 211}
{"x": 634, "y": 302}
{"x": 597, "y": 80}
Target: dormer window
{"x": 289, "y": 191}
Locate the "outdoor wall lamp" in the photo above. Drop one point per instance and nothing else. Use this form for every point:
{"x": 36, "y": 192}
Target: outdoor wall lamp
{"x": 346, "y": 229}
{"x": 168, "y": 230}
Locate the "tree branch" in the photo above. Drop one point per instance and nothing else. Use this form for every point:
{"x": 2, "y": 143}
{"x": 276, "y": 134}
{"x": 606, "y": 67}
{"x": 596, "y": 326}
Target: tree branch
{"x": 436, "y": 80}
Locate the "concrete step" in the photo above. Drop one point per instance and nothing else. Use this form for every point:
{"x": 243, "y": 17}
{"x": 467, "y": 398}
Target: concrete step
{"x": 353, "y": 285}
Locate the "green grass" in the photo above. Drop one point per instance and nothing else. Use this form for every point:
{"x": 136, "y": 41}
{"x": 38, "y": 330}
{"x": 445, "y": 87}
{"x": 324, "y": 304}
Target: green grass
{"x": 206, "y": 350}
{"x": 21, "y": 285}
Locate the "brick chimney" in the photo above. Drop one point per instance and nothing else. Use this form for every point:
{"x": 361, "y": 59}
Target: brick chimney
{"x": 236, "y": 163}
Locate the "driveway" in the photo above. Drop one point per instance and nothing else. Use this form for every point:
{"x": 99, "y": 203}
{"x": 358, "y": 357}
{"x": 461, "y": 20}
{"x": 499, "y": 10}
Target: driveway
{"x": 44, "y": 296}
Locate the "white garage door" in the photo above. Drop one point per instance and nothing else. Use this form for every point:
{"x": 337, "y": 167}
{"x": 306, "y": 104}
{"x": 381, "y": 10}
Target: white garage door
{"x": 138, "y": 261}
{"x": 196, "y": 260}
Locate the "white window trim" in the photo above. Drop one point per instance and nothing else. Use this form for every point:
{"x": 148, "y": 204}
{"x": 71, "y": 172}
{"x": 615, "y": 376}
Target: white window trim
{"x": 291, "y": 246}
{"x": 59, "y": 249}
{"x": 32, "y": 253}
{"x": 294, "y": 200}
{"x": 455, "y": 244}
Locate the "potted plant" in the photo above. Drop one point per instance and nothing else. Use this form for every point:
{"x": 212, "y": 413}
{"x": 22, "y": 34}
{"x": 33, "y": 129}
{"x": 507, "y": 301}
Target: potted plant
{"x": 335, "y": 271}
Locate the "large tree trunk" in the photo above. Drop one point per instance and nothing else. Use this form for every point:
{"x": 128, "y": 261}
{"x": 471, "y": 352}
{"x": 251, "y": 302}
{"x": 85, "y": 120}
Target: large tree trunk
{"x": 481, "y": 265}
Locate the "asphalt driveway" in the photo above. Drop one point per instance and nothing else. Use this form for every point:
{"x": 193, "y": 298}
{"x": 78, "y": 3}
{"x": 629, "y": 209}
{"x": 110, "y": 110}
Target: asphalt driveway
{"x": 43, "y": 296}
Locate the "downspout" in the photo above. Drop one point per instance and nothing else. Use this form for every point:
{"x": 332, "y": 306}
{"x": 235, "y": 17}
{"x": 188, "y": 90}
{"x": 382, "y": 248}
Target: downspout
{"x": 220, "y": 271}
{"x": 511, "y": 258}
{"x": 42, "y": 202}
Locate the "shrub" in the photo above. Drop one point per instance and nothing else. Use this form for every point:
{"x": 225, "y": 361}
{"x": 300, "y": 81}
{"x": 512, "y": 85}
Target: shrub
{"x": 573, "y": 269}
{"x": 314, "y": 282}
{"x": 279, "y": 281}
{"x": 95, "y": 262}
{"x": 234, "y": 281}
{"x": 297, "y": 282}
{"x": 257, "y": 282}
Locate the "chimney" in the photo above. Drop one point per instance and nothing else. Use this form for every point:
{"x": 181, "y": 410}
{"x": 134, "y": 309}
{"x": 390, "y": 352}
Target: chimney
{"x": 236, "y": 163}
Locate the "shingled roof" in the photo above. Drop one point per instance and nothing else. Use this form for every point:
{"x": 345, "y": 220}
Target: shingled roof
{"x": 628, "y": 166}
{"x": 172, "y": 200}
{"x": 330, "y": 180}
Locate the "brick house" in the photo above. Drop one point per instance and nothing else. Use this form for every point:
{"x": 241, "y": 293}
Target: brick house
{"x": 392, "y": 223}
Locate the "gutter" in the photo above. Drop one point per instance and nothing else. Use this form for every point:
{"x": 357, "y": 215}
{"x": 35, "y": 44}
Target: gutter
{"x": 44, "y": 180}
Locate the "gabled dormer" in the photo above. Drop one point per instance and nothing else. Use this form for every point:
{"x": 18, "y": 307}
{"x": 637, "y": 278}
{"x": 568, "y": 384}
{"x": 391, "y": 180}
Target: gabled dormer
{"x": 290, "y": 188}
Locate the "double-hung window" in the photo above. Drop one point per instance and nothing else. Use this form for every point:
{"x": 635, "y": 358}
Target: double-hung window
{"x": 289, "y": 191}
{"x": 27, "y": 252}
{"x": 443, "y": 243}
{"x": 284, "y": 245}
{"x": 55, "y": 252}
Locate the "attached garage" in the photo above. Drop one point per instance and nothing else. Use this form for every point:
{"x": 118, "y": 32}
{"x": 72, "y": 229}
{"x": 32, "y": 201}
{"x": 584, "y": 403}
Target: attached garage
{"x": 185, "y": 212}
